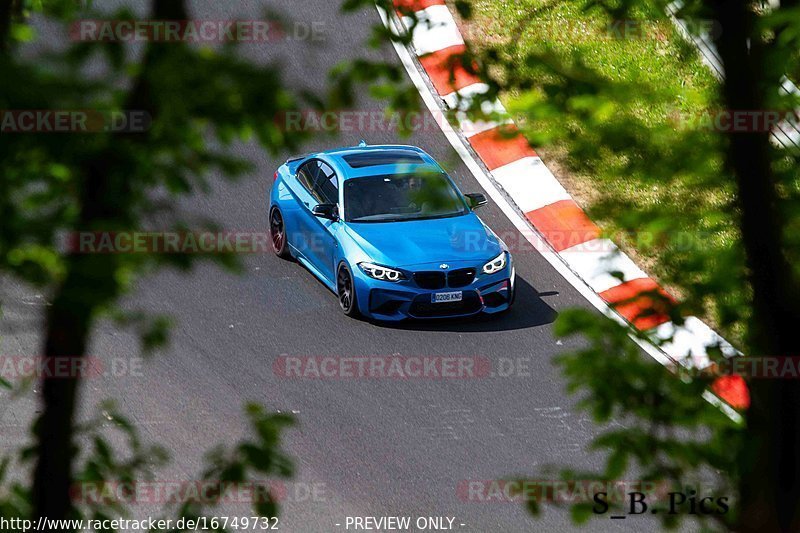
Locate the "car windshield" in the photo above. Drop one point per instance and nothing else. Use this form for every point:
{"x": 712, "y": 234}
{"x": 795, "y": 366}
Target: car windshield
{"x": 399, "y": 197}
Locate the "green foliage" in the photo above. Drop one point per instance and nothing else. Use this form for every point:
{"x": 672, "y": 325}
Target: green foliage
{"x": 250, "y": 461}
{"x": 628, "y": 114}
{"x": 103, "y": 469}
{"x": 199, "y": 102}
{"x": 628, "y": 117}
{"x": 658, "y": 428}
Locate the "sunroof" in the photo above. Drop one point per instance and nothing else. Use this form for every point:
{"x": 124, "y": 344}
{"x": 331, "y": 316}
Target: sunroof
{"x": 384, "y": 157}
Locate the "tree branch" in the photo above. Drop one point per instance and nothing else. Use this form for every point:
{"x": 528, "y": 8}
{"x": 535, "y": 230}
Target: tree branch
{"x": 89, "y": 284}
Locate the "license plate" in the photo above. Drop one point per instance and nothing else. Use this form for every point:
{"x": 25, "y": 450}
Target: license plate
{"x": 440, "y": 297}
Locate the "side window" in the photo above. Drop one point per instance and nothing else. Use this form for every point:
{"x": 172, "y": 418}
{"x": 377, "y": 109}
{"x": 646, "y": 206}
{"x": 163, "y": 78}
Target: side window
{"x": 305, "y": 175}
{"x": 326, "y": 185}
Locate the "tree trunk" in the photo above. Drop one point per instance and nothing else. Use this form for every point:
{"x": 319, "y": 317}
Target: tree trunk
{"x": 6, "y": 9}
{"x": 770, "y": 470}
{"x": 68, "y": 325}
{"x": 89, "y": 284}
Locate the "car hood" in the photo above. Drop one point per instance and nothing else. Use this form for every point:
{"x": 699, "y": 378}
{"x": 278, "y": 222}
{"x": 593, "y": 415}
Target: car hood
{"x": 413, "y": 242}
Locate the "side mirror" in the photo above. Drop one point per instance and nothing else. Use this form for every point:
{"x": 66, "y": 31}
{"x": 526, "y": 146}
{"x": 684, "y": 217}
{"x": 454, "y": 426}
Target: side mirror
{"x": 476, "y": 199}
{"x": 326, "y": 211}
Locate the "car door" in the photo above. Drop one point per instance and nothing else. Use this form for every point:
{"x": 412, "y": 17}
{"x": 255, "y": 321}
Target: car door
{"x": 323, "y": 244}
{"x": 302, "y": 189}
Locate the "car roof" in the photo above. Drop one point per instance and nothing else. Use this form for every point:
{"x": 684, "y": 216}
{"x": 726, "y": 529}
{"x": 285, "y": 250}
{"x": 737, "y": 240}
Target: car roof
{"x": 360, "y": 161}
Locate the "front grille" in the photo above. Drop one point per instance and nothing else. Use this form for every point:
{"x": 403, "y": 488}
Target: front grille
{"x": 430, "y": 280}
{"x": 461, "y": 277}
{"x": 423, "y": 307}
{"x": 437, "y": 280}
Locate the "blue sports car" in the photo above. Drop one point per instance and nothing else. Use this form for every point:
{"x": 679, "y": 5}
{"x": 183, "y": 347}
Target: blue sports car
{"x": 387, "y": 230}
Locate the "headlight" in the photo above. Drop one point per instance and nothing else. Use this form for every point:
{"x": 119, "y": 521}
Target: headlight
{"x": 381, "y": 272}
{"x": 495, "y": 265}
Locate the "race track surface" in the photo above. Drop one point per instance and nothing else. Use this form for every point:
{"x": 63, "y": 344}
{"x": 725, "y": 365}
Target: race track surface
{"x": 372, "y": 447}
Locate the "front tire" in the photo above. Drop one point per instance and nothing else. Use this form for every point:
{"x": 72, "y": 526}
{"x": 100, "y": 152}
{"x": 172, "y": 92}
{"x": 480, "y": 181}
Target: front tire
{"x": 346, "y": 291}
{"x": 277, "y": 233}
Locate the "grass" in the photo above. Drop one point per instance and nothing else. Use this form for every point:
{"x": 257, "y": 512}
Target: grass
{"x": 648, "y": 54}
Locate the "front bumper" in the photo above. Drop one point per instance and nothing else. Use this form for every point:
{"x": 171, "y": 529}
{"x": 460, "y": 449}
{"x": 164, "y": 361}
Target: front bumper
{"x": 387, "y": 301}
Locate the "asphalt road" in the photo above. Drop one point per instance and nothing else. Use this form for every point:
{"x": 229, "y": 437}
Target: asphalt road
{"x": 369, "y": 447}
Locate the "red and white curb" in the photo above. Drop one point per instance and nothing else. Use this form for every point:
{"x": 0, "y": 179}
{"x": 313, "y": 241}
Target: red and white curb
{"x": 558, "y": 220}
